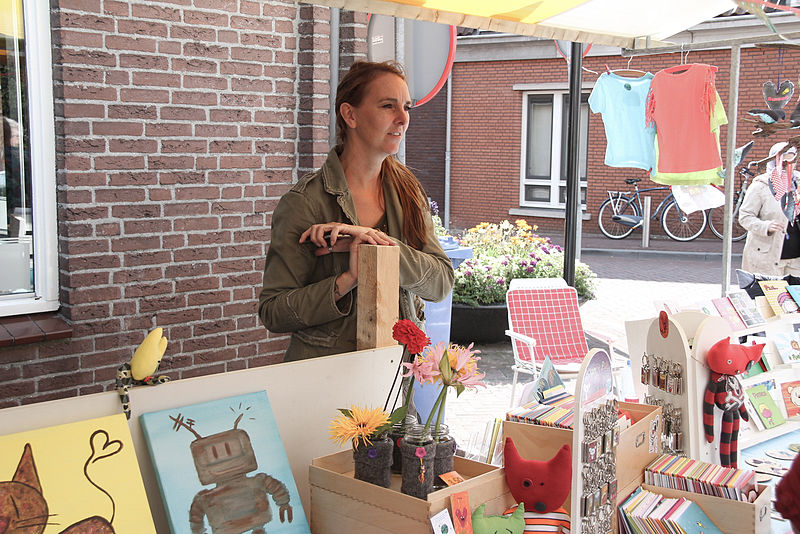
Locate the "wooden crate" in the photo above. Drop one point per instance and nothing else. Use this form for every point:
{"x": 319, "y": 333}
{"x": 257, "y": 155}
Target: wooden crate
{"x": 727, "y": 514}
{"x": 340, "y": 503}
{"x": 535, "y": 442}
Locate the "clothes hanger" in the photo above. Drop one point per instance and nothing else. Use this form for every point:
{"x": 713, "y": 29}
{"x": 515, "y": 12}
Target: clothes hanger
{"x": 627, "y": 72}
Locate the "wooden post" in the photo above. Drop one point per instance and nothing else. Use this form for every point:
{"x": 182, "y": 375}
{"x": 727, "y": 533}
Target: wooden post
{"x": 378, "y": 295}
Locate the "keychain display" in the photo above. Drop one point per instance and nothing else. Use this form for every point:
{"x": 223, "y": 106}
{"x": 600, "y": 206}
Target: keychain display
{"x": 662, "y": 374}
{"x": 599, "y": 471}
{"x": 672, "y": 437}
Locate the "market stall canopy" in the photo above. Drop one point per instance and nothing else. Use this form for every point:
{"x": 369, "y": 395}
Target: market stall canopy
{"x": 622, "y": 23}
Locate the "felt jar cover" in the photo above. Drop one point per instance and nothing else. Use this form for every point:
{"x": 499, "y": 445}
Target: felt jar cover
{"x": 373, "y": 460}
{"x": 445, "y": 450}
{"x": 418, "y": 450}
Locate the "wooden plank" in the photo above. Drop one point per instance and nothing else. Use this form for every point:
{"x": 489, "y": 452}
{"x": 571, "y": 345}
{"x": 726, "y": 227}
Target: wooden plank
{"x": 328, "y": 507}
{"x": 378, "y": 295}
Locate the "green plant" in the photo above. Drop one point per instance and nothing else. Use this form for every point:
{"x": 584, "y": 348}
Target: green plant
{"x": 504, "y": 251}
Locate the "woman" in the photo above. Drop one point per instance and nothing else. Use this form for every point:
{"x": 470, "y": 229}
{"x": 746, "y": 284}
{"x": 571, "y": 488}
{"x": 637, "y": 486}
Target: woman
{"x": 362, "y": 194}
{"x": 768, "y": 214}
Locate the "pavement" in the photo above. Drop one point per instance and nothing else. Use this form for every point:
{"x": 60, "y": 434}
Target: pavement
{"x": 630, "y": 280}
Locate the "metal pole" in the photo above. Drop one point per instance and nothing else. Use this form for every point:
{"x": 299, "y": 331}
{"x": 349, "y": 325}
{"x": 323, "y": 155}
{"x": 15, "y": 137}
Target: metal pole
{"x": 573, "y": 189}
{"x": 730, "y": 147}
{"x": 646, "y": 222}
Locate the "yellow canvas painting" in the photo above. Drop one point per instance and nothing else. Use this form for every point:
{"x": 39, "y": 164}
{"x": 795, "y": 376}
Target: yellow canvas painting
{"x": 77, "y": 478}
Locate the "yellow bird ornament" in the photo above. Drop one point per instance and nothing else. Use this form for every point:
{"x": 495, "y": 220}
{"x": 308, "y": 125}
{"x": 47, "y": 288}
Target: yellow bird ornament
{"x": 141, "y": 370}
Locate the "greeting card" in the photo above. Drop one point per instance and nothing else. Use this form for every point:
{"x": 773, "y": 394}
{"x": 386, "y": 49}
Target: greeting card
{"x": 791, "y": 398}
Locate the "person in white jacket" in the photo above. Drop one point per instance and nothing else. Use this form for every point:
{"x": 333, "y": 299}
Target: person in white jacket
{"x": 773, "y": 235}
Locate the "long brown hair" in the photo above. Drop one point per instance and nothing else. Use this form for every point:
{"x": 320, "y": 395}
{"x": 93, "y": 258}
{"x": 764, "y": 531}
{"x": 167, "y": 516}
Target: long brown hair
{"x": 351, "y": 90}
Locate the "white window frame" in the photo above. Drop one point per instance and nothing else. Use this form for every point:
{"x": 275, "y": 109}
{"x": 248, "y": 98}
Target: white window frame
{"x": 39, "y": 65}
{"x": 559, "y": 123}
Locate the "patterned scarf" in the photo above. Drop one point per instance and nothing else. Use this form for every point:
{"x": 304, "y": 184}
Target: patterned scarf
{"x": 783, "y": 188}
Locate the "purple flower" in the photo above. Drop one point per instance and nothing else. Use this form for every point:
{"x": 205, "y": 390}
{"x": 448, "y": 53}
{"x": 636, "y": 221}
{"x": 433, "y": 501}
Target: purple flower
{"x": 468, "y": 273}
{"x": 488, "y": 268}
{"x": 500, "y": 281}
{"x": 523, "y": 263}
{"x": 529, "y": 269}
{"x": 504, "y": 262}
{"x": 531, "y": 254}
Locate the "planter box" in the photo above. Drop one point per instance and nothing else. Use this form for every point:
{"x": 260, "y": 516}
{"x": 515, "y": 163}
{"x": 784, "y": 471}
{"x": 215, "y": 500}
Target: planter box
{"x": 535, "y": 442}
{"x": 727, "y": 514}
{"x": 340, "y": 503}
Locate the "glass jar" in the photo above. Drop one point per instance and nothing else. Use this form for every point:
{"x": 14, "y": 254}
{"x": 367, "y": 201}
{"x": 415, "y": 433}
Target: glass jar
{"x": 418, "y": 450}
{"x": 396, "y": 435}
{"x": 445, "y": 450}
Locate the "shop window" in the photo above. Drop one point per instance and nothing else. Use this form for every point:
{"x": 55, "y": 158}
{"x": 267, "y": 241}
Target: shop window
{"x": 544, "y": 173}
{"x": 28, "y": 241}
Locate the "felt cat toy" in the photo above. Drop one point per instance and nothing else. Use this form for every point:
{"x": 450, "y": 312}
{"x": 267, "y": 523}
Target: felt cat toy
{"x": 725, "y": 391}
{"x": 142, "y": 367}
{"x": 541, "y": 486}
{"x": 498, "y": 524}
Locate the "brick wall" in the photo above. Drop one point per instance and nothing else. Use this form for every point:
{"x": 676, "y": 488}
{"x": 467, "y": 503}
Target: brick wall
{"x": 425, "y": 145}
{"x": 179, "y": 125}
{"x": 486, "y": 128}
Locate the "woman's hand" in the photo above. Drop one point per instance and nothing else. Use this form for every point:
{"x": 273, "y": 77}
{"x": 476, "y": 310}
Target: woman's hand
{"x": 344, "y": 238}
{"x": 774, "y": 226}
{"x": 317, "y": 232}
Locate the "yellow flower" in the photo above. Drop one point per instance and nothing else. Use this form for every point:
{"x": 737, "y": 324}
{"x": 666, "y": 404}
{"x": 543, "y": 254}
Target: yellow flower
{"x": 522, "y": 224}
{"x": 360, "y": 424}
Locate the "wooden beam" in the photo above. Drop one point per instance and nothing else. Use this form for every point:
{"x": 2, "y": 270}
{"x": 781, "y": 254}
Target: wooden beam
{"x": 378, "y": 295}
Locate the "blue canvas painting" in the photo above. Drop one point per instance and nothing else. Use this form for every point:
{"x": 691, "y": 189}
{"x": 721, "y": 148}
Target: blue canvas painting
{"x": 222, "y": 468}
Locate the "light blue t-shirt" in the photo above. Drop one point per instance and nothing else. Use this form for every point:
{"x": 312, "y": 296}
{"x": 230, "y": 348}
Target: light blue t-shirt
{"x": 629, "y": 143}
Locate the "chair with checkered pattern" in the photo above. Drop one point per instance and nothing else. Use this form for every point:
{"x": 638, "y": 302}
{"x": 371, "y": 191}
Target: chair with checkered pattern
{"x": 544, "y": 320}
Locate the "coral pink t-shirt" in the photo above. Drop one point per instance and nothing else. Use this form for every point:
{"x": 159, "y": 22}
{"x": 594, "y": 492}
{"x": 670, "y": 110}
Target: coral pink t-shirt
{"x": 683, "y": 105}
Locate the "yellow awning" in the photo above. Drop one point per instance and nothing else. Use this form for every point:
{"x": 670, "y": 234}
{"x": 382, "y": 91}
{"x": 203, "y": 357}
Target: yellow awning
{"x": 623, "y": 23}
{"x": 11, "y": 18}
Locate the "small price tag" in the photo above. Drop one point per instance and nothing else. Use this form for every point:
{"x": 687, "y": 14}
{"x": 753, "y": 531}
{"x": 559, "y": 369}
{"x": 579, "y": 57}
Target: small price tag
{"x": 451, "y": 478}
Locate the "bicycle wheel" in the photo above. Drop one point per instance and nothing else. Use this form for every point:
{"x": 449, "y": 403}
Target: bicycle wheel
{"x": 611, "y": 228}
{"x": 682, "y": 226}
{"x": 715, "y": 220}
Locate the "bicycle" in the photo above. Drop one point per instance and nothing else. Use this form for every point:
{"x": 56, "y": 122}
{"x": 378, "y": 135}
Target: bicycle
{"x": 622, "y": 212}
{"x": 715, "y": 215}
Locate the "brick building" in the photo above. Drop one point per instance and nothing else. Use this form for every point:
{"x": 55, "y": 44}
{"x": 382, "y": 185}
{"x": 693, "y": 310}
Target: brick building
{"x": 497, "y": 79}
{"x": 174, "y": 128}
{"x": 178, "y": 126}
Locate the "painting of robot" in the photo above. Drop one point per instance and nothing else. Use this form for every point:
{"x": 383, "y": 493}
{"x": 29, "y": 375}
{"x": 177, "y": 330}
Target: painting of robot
{"x": 77, "y": 478}
{"x": 222, "y": 468}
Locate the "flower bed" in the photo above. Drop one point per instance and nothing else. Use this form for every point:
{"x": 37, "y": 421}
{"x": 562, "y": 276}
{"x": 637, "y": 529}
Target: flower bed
{"x": 504, "y": 251}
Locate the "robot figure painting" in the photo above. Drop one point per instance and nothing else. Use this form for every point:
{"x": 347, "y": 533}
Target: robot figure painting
{"x": 230, "y": 494}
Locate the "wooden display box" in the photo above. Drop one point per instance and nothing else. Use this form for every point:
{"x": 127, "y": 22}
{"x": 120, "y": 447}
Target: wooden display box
{"x": 727, "y": 514}
{"x": 340, "y": 503}
{"x": 535, "y": 442}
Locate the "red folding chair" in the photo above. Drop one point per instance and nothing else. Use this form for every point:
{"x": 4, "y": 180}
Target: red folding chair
{"x": 544, "y": 320}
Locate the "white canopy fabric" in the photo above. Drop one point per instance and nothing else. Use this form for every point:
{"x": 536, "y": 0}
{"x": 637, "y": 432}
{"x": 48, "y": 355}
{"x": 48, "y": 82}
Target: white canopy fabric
{"x": 623, "y": 23}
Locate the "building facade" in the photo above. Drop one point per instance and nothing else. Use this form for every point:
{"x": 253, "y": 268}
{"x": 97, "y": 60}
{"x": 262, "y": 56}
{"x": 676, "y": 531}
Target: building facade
{"x": 509, "y": 108}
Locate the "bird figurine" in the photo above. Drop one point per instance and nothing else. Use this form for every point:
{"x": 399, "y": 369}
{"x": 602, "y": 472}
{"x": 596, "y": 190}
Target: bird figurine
{"x": 767, "y": 115}
{"x": 142, "y": 367}
{"x": 794, "y": 118}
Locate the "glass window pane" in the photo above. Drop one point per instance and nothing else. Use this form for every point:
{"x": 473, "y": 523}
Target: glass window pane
{"x": 583, "y": 138}
{"x": 562, "y": 195}
{"x": 537, "y": 193}
{"x": 540, "y": 136}
{"x": 15, "y": 180}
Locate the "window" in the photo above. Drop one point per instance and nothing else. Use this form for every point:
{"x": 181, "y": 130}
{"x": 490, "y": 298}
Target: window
{"x": 545, "y": 118}
{"x": 28, "y": 241}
